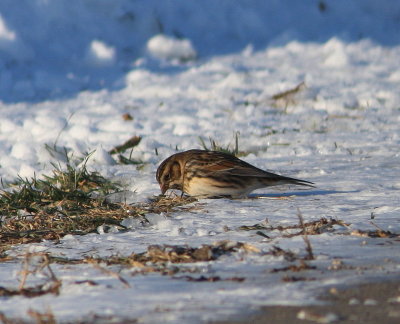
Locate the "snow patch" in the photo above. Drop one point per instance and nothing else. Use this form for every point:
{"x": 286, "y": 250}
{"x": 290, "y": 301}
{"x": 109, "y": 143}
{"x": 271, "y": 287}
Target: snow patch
{"x": 172, "y": 49}
{"x": 5, "y": 33}
{"x": 100, "y": 53}
{"x": 99, "y": 156}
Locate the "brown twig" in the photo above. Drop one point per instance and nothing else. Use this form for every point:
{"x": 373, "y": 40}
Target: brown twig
{"x": 44, "y": 264}
{"x": 305, "y": 237}
{"x": 290, "y": 92}
{"x": 109, "y": 272}
{"x": 42, "y": 318}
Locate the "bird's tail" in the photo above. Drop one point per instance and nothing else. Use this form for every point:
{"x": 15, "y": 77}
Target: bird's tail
{"x": 279, "y": 180}
{"x": 301, "y": 182}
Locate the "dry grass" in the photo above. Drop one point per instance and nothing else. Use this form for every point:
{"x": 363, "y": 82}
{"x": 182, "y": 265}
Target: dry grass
{"x": 310, "y": 253}
{"x": 33, "y": 264}
{"x": 295, "y": 268}
{"x": 287, "y": 254}
{"x": 317, "y": 227}
{"x": 314, "y": 227}
{"x": 163, "y": 254}
{"x": 375, "y": 234}
{"x": 287, "y": 98}
{"x": 71, "y": 201}
{"x": 164, "y": 259}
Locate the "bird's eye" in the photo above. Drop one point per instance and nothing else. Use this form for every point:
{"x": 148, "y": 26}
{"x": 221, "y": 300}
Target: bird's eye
{"x": 167, "y": 176}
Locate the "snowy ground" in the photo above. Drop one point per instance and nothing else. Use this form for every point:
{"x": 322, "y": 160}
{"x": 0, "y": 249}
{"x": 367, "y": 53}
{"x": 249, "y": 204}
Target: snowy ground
{"x": 340, "y": 131}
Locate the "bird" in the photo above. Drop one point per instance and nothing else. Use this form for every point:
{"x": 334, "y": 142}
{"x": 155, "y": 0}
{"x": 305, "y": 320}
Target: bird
{"x": 215, "y": 174}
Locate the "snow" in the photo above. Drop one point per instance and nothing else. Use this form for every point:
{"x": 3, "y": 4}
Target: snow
{"x": 5, "y": 33}
{"x": 168, "y": 48}
{"x": 184, "y": 70}
{"x": 100, "y": 53}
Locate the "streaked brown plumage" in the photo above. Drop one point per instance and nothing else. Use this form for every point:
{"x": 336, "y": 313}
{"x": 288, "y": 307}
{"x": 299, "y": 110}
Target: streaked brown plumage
{"x": 202, "y": 173}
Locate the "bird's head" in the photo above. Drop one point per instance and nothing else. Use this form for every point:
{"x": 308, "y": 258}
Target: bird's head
{"x": 170, "y": 174}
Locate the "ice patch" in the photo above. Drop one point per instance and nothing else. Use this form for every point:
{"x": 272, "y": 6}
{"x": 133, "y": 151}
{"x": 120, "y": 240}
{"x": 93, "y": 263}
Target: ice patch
{"x": 132, "y": 222}
{"x": 155, "y": 219}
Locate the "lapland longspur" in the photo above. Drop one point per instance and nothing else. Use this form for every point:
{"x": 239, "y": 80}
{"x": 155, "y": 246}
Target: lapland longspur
{"x": 202, "y": 173}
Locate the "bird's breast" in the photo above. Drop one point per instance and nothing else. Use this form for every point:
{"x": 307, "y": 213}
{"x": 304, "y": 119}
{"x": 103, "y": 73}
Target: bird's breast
{"x": 210, "y": 187}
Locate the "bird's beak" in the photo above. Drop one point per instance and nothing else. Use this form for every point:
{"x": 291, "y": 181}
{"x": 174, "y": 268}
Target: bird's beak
{"x": 163, "y": 188}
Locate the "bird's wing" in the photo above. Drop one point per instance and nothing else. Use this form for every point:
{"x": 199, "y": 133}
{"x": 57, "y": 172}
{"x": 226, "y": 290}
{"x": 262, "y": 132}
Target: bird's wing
{"x": 223, "y": 164}
{"x": 218, "y": 162}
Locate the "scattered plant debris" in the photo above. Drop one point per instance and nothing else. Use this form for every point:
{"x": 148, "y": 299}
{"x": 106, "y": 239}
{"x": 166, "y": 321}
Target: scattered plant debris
{"x": 127, "y": 117}
{"x": 296, "y": 278}
{"x": 253, "y": 227}
{"x": 295, "y": 268}
{"x": 287, "y": 254}
{"x": 309, "y": 228}
{"x": 337, "y": 264}
{"x": 310, "y": 254}
{"x": 38, "y": 262}
{"x": 166, "y": 204}
{"x": 289, "y": 92}
{"x": 71, "y": 201}
{"x": 35, "y": 317}
{"x": 132, "y": 142}
{"x": 129, "y": 144}
{"x": 286, "y": 98}
{"x": 42, "y": 318}
{"x": 163, "y": 258}
{"x": 210, "y": 279}
{"x": 186, "y": 254}
{"x": 86, "y": 282}
{"x": 375, "y": 234}
{"x": 109, "y": 272}
{"x": 263, "y": 234}
{"x": 29, "y": 292}
{"x": 34, "y": 263}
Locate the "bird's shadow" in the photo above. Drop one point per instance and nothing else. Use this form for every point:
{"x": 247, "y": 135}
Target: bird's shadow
{"x": 302, "y": 193}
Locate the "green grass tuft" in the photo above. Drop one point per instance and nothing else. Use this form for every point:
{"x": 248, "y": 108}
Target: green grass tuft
{"x": 215, "y": 146}
{"x": 70, "y": 201}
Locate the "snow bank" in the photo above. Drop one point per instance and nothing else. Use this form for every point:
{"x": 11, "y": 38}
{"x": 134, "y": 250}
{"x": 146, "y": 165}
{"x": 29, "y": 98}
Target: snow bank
{"x": 53, "y": 49}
